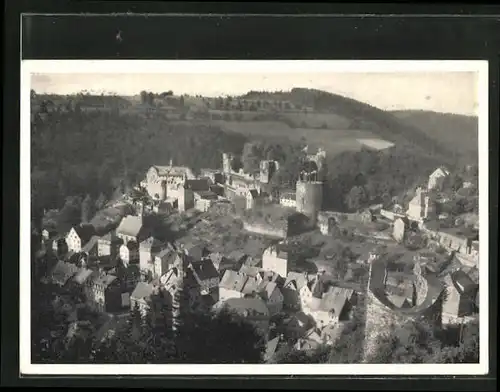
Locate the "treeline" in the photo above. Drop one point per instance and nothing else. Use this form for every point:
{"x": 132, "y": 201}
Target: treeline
{"x": 353, "y": 180}
{"x": 202, "y": 337}
{"x": 95, "y": 152}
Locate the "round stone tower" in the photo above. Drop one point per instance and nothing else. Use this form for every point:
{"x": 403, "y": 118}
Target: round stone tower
{"x": 309, "y": 198}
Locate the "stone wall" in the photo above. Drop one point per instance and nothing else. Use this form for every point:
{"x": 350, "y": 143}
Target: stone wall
{"x": 265, "y": 230}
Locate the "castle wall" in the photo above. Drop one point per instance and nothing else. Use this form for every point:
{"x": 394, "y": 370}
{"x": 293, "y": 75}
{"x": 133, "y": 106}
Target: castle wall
{"x": 265, "y": 230}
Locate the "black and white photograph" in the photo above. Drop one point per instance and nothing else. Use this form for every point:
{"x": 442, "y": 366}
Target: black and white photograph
{"x": 260, "y": 217}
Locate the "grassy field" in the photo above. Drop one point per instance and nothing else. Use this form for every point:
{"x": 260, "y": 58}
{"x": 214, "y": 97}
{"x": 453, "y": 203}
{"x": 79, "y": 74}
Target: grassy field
{"x": 334, "y": 141}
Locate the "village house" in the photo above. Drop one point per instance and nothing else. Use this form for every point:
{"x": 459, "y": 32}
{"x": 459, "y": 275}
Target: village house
{"x": 326, "y": 304}
{"x": 400, "y": 228}
{"x": 163, "y": 260}
{"x": 272, "y": 296}
{"x": 62, "y": 272}
{"x": 310, "y": 341}
{"x": 297, "y": 325}
{"x": 421, "y": 207}
{"x": 237, "y": 257}
{"x": 326, "y": 224}
{"x": 275, "y": 259}
{"x": 78, "y": 236}
{"x": 206, "y": 275}
{"x": 60, "y": 246}
{"x": 132, "y": 228}
{"x": 109, "y": 245}
{"x": 437, "y": 178}
{"x": 460, "y": 301}
{"x": 253, "y": 310}
{"x": 103, "y": 292}
{"x": 91, "y": 247}
{"x": 147, "y": 297}
{"x": 288, "y": 199}
{"x": 191, "y": 288}
{"x": 48, "y": 234}
{"x": 203, "y": 200}
{"x": 231, "y": 285}
{"x": 253, "y": 199}
{"x": 129, "y": 253}
{"x": 291, "y": 289}
{"x": 166, "y": 180}
{"x": 147, "y": 249}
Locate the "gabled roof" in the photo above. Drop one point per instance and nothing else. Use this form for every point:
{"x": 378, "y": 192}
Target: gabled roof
{"x": 131, "y": 225}
{"x": 62, "y": 271}
{"x": 110, "y": 237}
{"x": 90, "y": 244}
{"x": 249, "y": 271}
{"x": 267, "y": 290}
{"x": 197, "y": 185}
{"x": 82, "y": 275}
{"x": 236, "y": 255}
{"x": 253, "y": 193}
{"x": 85, "y": 232}
{"x": 297, "y": 279}
{"x": 251, "y": 286}
{"x": 399, "y": 301}
{"x": 333, "y": 301}
{"x": 204, "y": 269}
{"x": 463, "y": 280}
{"x": 102, "y": 278}
{"x": 151, "y": 243}
{"x": 232, "y": 280}
{"x": 175, "y": 171}
{"x": 247, "y": 307}
{"x": 271, "y": 347}
{"x": 142, "y": 291}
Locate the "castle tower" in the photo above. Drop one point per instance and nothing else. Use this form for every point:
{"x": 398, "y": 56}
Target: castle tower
{"x": 226, "y": 162}
{"x": 309, "y": 198}
{"x": 267, "y": 170}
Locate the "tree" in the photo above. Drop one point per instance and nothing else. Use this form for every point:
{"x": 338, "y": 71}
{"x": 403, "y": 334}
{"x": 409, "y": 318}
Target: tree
{"x": 253, "y": 153}
{"x": 100, "y": 202}
{"x": 144, "y": 97}
{"x": 88, "y": 209}
{"x": 356, "y": 198}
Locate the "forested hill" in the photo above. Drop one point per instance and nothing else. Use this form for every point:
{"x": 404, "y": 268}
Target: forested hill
{"x": 364, "y": 116}
{"x": 458, "y": 132}
{"x": 75, "y": 153}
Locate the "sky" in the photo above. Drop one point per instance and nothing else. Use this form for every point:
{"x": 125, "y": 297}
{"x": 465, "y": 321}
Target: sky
{"x": 447, "y": 92}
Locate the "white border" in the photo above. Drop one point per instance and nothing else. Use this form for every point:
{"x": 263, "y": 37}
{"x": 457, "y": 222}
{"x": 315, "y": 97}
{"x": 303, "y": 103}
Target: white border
{"x": 241, "y": 66}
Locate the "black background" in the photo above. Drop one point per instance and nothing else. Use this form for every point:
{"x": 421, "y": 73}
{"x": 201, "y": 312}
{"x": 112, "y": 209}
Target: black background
{"x": 281, "y": 31}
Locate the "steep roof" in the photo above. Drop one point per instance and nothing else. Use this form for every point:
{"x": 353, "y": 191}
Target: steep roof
{"x": 90, "y": 244}
{"x": 82, "y": 275}
{"x": 249, "y": 270}
{"x": 253, "y": 193}
{"x": 247, "y": 307}
{"x": 142, "y": 291}
{"x": 463, "y": 280}
{"x": 251, "y": 286}
{"x": 267, "y": 289}
{"x": 204, "y": 269}
{"x": 102, "y": 278}
{"x": 298, "y": 279}
{"x": 197, "y": 185}
{"x": 85, "y": 232}
{"x": 333, "y": 301}
{"x": 236, "y": 255}
{"x": 151, "y": 243}
{"x": 130, "y": 225}
{"x": 175, "y": 171}
{"x": 63, "y": 271}
{"x": 232, "y": 280}
{"x": 271, "y": 347}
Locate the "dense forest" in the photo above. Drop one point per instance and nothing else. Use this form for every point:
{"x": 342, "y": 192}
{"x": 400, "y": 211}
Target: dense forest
{"x": 92, "y": 152}
{"x": 77, "y": 152}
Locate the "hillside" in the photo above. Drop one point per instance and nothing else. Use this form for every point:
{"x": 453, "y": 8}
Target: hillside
{"x": 458, "y": 132}
{"x": 365, "y": 117}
